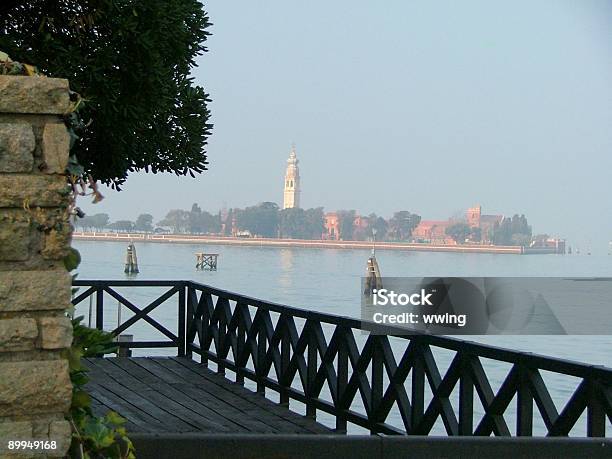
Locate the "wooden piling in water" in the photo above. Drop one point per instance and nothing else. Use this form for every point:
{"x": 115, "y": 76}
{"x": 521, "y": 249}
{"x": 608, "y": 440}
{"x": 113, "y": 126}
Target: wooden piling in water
{"x": 131, "y": 260}
{"x": 206, "y": 261}
{"x": 373, "y": 280}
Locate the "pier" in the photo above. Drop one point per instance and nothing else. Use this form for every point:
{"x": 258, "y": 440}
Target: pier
{"x": 231, "y": 370}
{"x": 206, "y": 261}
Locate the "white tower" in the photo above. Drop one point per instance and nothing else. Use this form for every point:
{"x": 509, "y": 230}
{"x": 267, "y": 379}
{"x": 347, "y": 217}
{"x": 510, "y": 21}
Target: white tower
{"x": 292, "y": 182}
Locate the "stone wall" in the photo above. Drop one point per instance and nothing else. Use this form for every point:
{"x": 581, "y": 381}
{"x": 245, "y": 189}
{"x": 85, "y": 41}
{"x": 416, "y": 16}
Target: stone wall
{"x": 35, "y": 389}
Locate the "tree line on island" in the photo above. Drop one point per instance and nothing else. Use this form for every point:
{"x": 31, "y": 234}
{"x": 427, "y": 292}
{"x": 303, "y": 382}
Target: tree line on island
{"x": 269, "y": 221}
{"x": 511, "y": 231}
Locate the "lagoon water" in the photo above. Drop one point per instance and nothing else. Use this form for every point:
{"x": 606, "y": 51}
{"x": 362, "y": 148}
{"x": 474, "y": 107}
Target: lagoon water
{"x": 328, "y": 280}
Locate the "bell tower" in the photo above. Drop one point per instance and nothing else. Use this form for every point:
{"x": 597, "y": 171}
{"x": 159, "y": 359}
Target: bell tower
{"x": 291, "y": 196}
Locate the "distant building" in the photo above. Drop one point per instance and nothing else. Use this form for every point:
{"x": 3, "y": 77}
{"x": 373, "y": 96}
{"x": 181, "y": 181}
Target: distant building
{"x": 486, "y": 223}
{"x": 435, "y": 230}
{"x": 291, "y": 198}
{"x": 332, "y": 227}
{"x": 549, "y": 242}
{"x": 432, "y": 231}
{"x": 361, "y": 222}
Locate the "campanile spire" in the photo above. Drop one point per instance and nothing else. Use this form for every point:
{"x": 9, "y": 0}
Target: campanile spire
{"x": 291, "y": 196}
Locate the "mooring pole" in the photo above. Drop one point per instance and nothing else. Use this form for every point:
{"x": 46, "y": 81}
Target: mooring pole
{"x": 131, "y": 261}
{"x": 134, "y": 259}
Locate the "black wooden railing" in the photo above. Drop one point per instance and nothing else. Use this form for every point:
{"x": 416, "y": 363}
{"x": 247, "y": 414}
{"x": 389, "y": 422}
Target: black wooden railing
{"x": 286, "y": 350}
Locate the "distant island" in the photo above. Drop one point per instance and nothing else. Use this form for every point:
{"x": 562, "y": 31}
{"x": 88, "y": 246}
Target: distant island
{"x": 267, "y": 220}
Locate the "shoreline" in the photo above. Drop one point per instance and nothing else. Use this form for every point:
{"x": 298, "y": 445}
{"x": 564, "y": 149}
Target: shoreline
{"x": 264, "y": 242}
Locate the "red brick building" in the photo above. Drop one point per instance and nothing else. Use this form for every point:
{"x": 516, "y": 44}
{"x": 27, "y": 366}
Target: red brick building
{"x": 332, "y": 227}
{"x": 486, "y": 223}
{"x": 433, "y": 231}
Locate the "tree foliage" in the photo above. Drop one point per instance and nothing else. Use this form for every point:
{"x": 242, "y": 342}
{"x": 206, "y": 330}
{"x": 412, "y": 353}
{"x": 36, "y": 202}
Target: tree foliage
{"x": 459, "y": 232}
{"x": 96, "y": 222}
{"x": 122, "y": 225}
{"x": 512, "y": 231}
{"x": 401, "y": 225}
{"x": 131, "y": 61}
{"x": 380, "y": 225}
{"x": 346, "y": 224}
{"x": 259, "y": 220}
{"x": 177, "y": 219}
{"x": 301, "y": 224}
{"x": 144, "y": 222}
{"x": 201, "y": 221}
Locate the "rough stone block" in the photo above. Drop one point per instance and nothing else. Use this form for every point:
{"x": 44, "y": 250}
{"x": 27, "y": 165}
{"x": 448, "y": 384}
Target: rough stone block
{"x": 60, "y": 432}
{"x": 33, "y": 190}
{"x": 17, "y": 145}
{"x": 55, "y": 147}
{"x": 18, "y": 334}
{"x": 57, "y": 431}
{"x": 55, "y": 332}
{"x": 20, "y": 430}
{"x": 29, "y": 388}
{"x": 34, "y": 290}
{"x": 15, "y": 430}
{"x": 56, "y": 244}
{"x": 21, "y": 94}
{"x": 15, "y": 238}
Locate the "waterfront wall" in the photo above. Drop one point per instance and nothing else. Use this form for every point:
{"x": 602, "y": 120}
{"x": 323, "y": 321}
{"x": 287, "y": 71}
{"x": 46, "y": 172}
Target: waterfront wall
{"x": 35, "y": 288}
{"x": 262, "y": 242}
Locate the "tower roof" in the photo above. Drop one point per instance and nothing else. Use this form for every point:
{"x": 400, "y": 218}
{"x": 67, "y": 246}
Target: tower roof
{"x": 292, "y": 156}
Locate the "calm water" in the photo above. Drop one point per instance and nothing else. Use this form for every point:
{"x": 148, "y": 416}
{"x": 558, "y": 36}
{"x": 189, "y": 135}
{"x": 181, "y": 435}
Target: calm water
{"x": 328, "y": 280}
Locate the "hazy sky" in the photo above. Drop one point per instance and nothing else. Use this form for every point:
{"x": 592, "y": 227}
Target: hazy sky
{"x": 427, "y": 106}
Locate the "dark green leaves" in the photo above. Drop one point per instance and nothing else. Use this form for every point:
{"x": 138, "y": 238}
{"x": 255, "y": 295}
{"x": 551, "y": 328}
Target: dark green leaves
{"x": 72, "y": 259}
{"x": 93, "y": 436}
{"x": 131, "y": 61}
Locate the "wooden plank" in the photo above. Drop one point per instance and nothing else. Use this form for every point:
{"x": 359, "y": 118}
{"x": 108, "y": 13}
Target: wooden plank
{"x": 140, "y": 419}
{"x": 266, "y": 422}
{"x": 100, "y": 410}
{"x": 256, "y": 400}
{"x": 179, "y": 395}
{"x": 170, "y": 391}
{"x": 252, "y": 397}
{"x": 167, "y": 399}
{"x": 166, "y": 417}
{"x": 230, "y": 407}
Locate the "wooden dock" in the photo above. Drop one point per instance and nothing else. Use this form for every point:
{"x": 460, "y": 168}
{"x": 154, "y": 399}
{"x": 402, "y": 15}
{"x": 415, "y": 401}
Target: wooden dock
{"x": 178, "y": 408}
{"x": 177, "y": 395}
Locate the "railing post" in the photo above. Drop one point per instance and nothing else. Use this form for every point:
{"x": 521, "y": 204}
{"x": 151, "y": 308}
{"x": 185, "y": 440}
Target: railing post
{"x": 261, "y": 359}
{"x": 189, "y": 319}
{"x": 222, "y": 343}
{"x": 241, "y": 311}
{"x": 418, "y": 389}
{"x": 342, "y": 380}
{"x": 181, "y": 321}
{"x": 205, "y": 321}
{"x": 100, "y": 307}
{"x": 285, "y": 355}
{"x": 596, "y": 416}
{"x": 524, "y": 403}
{"x": 311, "y": 370}
{"x": 377, "y": 381}
{"x": 466, "y": 398}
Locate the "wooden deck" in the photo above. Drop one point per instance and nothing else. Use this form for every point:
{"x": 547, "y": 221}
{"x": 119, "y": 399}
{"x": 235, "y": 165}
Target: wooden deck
{"x": 177, "y": 395}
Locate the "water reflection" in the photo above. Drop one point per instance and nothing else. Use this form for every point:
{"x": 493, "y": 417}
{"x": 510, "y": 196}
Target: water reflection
{"x": 285, "y": 278}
